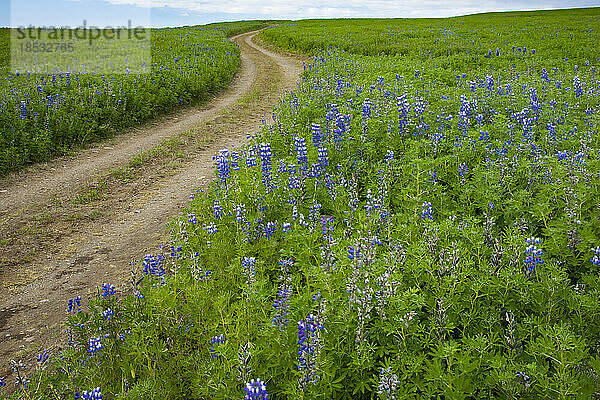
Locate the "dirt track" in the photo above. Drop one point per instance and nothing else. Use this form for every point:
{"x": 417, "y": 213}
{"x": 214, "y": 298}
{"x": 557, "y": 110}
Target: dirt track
{"x": 72, "y": 224}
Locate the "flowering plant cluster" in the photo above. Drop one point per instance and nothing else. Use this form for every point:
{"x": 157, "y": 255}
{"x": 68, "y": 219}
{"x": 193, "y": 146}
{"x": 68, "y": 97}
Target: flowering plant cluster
{"x": 428, "y": 223}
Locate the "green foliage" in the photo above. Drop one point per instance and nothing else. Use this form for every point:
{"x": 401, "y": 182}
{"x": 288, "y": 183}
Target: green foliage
{"x": 42, "y": 116}
{"x": 445, "y": 245}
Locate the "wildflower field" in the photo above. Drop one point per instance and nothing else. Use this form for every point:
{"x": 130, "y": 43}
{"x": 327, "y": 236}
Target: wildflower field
{"x": 419, "y": 219}
{"x": 45, "y": 115}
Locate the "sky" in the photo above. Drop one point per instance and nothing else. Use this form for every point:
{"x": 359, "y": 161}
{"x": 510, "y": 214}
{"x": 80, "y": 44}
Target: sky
{"x": 161, "y": 13}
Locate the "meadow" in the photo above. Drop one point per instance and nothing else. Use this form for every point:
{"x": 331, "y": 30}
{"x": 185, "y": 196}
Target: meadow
{"x": 47, "y": 115}
{"x": 419, "y": 219}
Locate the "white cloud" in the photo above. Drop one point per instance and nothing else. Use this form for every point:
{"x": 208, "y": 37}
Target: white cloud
{"x": 349, "y": 8}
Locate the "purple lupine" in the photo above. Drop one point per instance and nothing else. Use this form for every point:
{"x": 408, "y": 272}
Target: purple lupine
{"x": 323, "y": 158}
{"x": 596, "y": 258}
{"x": 223, "y": 166}
{"x": 284, "y": 292}
{"x": 316, "y": 134}
{"x": 256, "y": 390}
{"x": 265, "y": 156}
{"x": 107, "y": 290}
{"x": 427, "y": 211}
{"x": 153, "y": 265}
{"x": 533, "y": 259}
{"x": 301, "y": 152}
{"x": 74, "y": 305}
{"x": 215, "y": 353}
{"x": 95, "y": 344}
{"x": 387, "y": 383}
{"x": 309, "y": 342}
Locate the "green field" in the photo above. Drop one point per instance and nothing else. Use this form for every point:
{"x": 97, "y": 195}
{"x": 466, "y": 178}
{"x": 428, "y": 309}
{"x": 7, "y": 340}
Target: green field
{"x": 46, "y": 115}
{"x": 420, "y": 219}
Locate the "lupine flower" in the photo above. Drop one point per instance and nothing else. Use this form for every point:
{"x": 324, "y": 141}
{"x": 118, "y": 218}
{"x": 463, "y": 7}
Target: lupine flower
{"x": 248, "y": 265}
{"x": 270, "y": 229}
{"x": 316, "y": 134}
{"x": 256, "y": 390}
{"x": 596, "y": 258}
{"x": 223, "y": 167}
{"x": 251, "y": 159}
{"x": 234, "y": 161}
{"x": 217, "y": 209}
{"x": 2, "y": 381}
{"x": 534, "y": 254}
{"x": 309, "y": 342}
{"x": 108, "y": 314}
{"x": 108, "y": 290}
{"x": 577, "y": 86}
{"x": 192, "y": 218}
{"x": 95, "y": 345}
{"x": 323, "y": 158}
{"x": 389, "y": 156}
{"x": 387, "y": 383}
{"x": 523, "y": 379}
{"x": 211, "y": 229}
{"x": 95, "y": 394}
{"x": 216, "y": 340}
{"x": 23, "y": 110}
{"x": 301, "y": 152}
{"x": 43, "y": 357}
{"x": 282, "y": 304}
{"x": 153, "y": 265}
{"x": 74, "y": 305}
{"x": 265, "y": 156}
{"x": 427, "y": 211}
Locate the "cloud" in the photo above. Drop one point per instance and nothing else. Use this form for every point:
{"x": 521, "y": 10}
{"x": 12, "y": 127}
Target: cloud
{"x": 350, "y": 8}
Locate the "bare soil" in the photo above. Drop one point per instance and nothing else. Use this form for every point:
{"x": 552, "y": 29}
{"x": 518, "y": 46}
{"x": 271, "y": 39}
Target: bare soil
{"x": 71, "y": 224}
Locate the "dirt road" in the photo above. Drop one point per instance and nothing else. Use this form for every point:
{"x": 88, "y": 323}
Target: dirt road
{"x": 69, "y": 225}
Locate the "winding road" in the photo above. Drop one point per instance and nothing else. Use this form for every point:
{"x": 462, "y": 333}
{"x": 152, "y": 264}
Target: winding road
{"x": 71, "y": 224}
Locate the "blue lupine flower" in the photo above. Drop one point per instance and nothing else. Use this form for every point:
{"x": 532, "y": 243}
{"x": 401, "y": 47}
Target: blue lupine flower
{"x": 95, "y": 394}
{"x": 217, "y": 209}
{"x": 596, "y": 258}
{"x": 301, "y": 152}
{"x": 323, "y": 158}
{"x": 316, "y": 134}
{"x": 223, "y": 167}
{"x": 462, "y": 170}
{"x": 534, "y": 254}
{"x": 108, "y": 290}
{"x": 389, "y": 156}
{"x": 270, "y": 229}
{"x": 545, "y": 75}
{"x": 192, "y": 218}
{"x": 234, "y": 161}
{"x": 367, "y": 108}
{"x": 108, "y": 313}
{"x": 2, "y": 381}
{"x": 309, "y": 342}
{"x": 176, "y": 252}
{"x": 74, "y": 305}
{"x": 251, "y": 158}
{"x": 248, "y": 265}
{"x": 256, "y": 390}
{"x": 43, "y": 357}
{"x": 95, "y": 344}
{"x": 351, "y": 252}
{"x": 387, "y": 383}
{"x": 216, "y": 340}
{"x": 211, "y": 229}
{"x": 23, "y": 110}
{"x": 265, "y": 156}
{"x": 286, "y": 227}
{"x": 427, "y": 211}
{"x": 577, "y": 87}
{"x": 153, "y": 265}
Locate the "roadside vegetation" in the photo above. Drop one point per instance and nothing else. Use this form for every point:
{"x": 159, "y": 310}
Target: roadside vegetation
{"x": 419, "y": 219}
